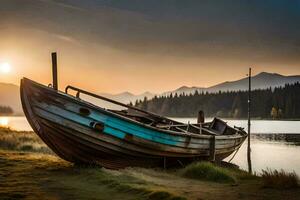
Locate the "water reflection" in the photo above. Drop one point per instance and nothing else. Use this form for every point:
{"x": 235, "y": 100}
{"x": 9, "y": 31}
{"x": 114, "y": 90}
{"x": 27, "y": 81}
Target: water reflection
{"x": 4, "y": 121}
{"x": 288, "y": 139}
{"x": 18, "y": 123}
{"x": 271, "y": 151}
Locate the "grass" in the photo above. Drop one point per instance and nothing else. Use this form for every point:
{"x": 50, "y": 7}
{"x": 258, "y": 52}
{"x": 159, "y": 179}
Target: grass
{"x": 22, "y": 141}
{"x": 279, "y": 179}
{"x": 160, "y": 195}
{"x": 123, "y": 182}
{"x": 30, "y": 170}
{"x": 37, "y": 176}
{"x": 208, "y": 172}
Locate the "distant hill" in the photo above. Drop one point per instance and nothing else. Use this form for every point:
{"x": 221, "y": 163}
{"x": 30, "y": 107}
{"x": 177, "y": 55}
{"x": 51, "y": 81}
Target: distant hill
{"x": 277, "y": 103}
{"x": 124, "y": 97}
{"x": 262, "y": 80}
{"x": 10, "y": 96}
{"x": 127, "y": 97}
{"x": 9, "y": 93}
{"x": 184, "y": 89}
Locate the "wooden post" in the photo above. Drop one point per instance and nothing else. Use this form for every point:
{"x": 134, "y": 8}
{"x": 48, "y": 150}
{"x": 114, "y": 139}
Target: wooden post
{"x": 249, "y": 124}
{"x": 212, "y": 149}
{"x": 54, "y": 70}
{"x": 200, "y": 119}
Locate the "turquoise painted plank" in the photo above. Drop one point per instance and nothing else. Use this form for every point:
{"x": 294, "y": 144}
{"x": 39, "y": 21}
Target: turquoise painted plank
{"x": 128, "y": 126}
{"x": 112, "y": 130}
{"x": 117, "y": 123}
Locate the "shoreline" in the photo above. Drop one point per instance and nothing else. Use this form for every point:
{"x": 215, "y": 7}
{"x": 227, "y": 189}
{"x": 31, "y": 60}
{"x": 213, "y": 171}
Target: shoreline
{"x": 16, "y": 115}
{"x": 49, "y": 176}
{"x": 24, "y": 158}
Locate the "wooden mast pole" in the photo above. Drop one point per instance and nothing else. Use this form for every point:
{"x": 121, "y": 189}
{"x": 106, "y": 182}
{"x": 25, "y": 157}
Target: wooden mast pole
{"x": 54, "y": 70}
{"x": 249, "y": 124}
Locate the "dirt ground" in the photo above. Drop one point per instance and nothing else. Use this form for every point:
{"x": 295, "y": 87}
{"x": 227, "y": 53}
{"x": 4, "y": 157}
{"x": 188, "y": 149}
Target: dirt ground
{"x": 28, "y": 175}
{"x": 30, "y": 170}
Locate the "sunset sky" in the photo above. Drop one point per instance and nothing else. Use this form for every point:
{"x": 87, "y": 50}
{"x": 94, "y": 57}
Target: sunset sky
{"x": 155, "y": 45}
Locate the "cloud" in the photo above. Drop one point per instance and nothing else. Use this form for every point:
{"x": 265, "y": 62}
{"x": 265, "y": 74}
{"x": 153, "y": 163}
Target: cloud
{"x": 131, "y": 40}
{"x": 66, "y": 38}
{"x": 62, "y": 4}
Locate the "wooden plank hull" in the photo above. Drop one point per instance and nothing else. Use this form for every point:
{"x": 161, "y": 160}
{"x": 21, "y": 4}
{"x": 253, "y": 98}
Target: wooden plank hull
{"x": 58, "y": 120}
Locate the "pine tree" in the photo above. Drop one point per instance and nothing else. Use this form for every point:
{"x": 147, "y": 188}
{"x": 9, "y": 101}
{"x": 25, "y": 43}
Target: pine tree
{"x": 281, "y": 102}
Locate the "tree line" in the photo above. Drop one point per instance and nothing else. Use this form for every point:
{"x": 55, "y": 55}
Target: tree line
{"x": 280, "y": 102}
{"x": 6, "y": 110}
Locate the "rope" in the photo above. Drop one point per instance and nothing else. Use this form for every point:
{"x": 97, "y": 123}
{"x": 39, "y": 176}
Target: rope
{"x": 235, "y": 154}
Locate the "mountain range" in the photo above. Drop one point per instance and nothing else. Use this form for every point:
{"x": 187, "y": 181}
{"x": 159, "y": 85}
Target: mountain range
{"x": 262, "y": 80}
{"x": 9, "y": 93}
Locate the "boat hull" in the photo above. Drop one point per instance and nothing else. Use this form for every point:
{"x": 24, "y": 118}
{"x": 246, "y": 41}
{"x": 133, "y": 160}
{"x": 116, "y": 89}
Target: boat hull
{"x": 57, "y": 118}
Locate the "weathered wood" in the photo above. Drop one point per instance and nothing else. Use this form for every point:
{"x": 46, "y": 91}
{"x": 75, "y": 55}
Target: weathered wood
{"x": 249, "y": 124}
{"x": 154, "y": 116}
{"x": 66, "y": 125}
{"x": 200, "y": 118}
{"x": 212, "y": 149}
{"x": 51, "y": 95}
{"x": 197, "y": 126}
{"x": 54, "y": 70}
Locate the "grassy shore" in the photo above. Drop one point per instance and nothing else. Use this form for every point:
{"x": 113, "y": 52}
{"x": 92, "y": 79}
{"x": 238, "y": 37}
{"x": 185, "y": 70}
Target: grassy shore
{"x": 29, "y": 170}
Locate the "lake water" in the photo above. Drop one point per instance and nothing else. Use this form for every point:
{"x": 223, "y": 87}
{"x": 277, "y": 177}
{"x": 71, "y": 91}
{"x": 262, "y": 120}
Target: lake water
{"x": 275, "y": 144}
{"x": 18, "y": 123}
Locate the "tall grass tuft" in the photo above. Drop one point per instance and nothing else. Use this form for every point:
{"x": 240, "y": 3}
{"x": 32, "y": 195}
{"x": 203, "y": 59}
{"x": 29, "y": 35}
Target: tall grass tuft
{"x": 279, "y": 179}
{"x": 22, "y": 141}
{"x": 207, "y": 171}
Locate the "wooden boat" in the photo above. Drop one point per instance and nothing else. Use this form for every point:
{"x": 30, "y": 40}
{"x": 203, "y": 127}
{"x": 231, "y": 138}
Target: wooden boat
{"x": 81, "y": 132}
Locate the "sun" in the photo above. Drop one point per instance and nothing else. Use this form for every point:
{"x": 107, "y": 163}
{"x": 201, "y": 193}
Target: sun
{"x": 3, "y": 121}
{"x": 5, "y": 68}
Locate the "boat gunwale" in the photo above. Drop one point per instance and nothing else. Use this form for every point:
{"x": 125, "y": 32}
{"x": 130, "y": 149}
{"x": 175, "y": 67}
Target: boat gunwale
{"x": 113, "y": 114}
{"x": 240, "y": 142}
{"x": 181, "y": 141}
